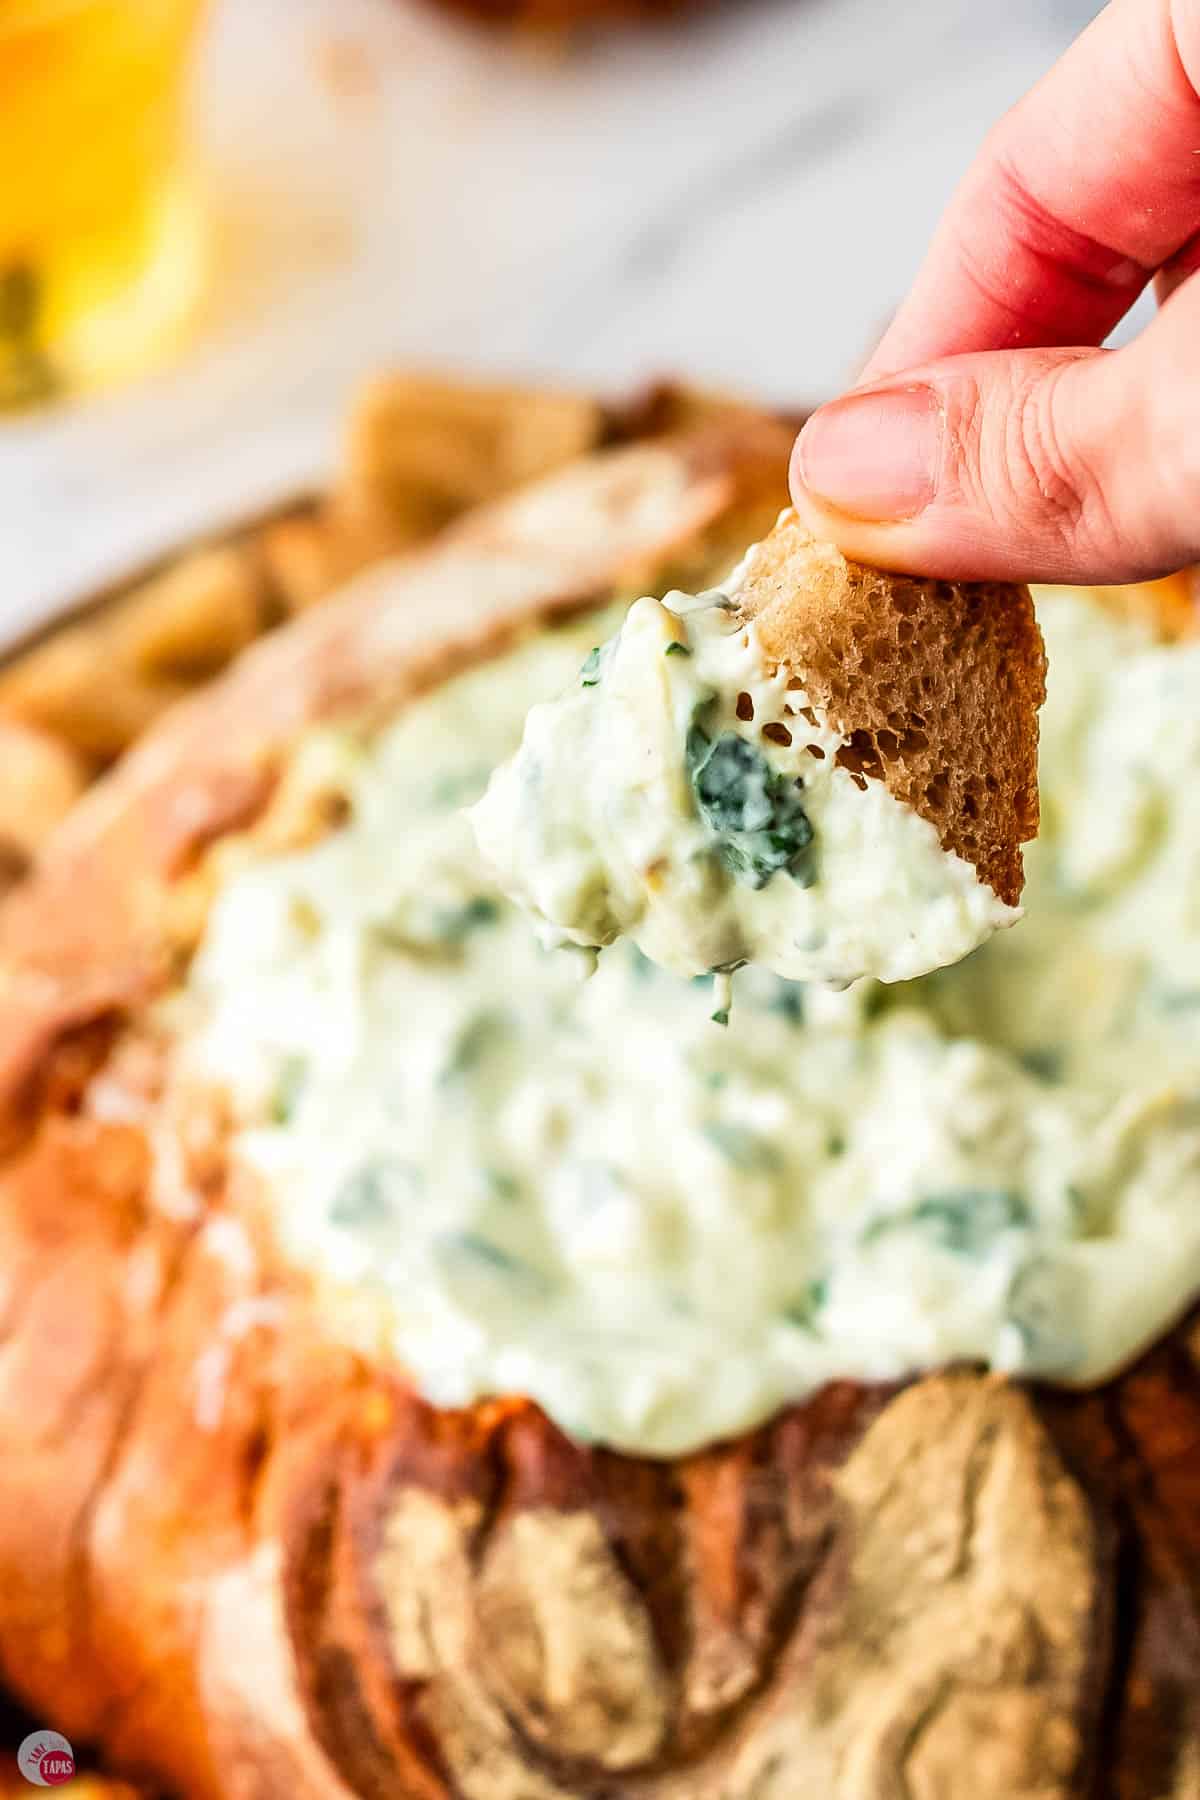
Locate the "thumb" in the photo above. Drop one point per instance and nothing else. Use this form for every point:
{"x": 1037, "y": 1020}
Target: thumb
{"x": 1033, "y": 465}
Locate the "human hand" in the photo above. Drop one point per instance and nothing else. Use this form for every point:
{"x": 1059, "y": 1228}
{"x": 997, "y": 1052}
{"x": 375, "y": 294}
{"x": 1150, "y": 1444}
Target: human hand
{"x": 989, "y": 435}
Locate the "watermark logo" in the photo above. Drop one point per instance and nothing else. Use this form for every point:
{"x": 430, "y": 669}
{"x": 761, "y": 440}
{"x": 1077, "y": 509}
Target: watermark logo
{"x": 46, "y": 1759}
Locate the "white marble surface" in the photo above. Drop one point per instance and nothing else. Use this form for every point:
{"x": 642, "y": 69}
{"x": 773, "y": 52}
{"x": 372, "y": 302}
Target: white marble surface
{"x": 742, "y": 199}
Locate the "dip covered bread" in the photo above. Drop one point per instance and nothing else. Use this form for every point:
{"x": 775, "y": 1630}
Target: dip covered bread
{"x": 424, "y": 1374}
{"x": 817, "y": 767}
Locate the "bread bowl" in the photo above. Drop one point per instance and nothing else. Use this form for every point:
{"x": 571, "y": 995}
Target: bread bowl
{"x": 813, "y": 768}
{"x": 246, "y": 1557}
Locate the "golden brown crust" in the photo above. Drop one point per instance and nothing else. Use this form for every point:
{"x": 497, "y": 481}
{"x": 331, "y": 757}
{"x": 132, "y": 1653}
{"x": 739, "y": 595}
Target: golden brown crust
{"x": 264, "y": 1567}
{"x": 421, "y": 449}
{"x": 937, "y": 684}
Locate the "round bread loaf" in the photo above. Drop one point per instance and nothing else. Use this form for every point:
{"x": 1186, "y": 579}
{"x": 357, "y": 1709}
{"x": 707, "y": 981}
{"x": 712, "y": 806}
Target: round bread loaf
{"x": 251, "y": 1563}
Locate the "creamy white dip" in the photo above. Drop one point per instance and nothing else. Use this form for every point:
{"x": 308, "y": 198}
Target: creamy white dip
{"x": 683, "y": 795}
{"x": 585, "y": 1192}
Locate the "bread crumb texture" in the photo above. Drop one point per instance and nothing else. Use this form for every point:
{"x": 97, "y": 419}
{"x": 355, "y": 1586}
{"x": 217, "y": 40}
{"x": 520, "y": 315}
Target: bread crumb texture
{"x": 937, "y": 685}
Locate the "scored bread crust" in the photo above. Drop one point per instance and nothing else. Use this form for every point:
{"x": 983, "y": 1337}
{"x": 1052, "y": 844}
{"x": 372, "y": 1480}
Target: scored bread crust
{"x": 251, "y": 1563}
{"x": 936, "y": 683}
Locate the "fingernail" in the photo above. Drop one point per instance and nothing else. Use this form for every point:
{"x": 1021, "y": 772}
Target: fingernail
{"x": 875, "y": 455}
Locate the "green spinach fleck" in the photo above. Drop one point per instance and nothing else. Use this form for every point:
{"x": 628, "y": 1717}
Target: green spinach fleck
{"x": 788, "y": 1001}
{"x": 481, "y": 1034}
{"x": 502, "y": 1184}
{"x": 756, "y": 814}
{"x": 372, "y": 1194}
{"x": 966, "y": 1221}
{"x": 289, "y": 1085}
{"x": 1045, "y": 1062}
{"x": 744, "y": 1148}
{"x": 1178, "y": 999}
{"x": 1080, "y": 1207}
{"x": 803, "y": 1310}
{"x": 469, "y": 1252}
{"x": 675, "y": 648}
{"x": 721, "y": 1016}
{"x": 453, "y": 924}
{"x": 438, "y": 933}
{"x": 589, "y": 674}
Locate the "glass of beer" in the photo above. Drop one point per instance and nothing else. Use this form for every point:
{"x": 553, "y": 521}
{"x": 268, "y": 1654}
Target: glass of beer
{"x": 102, "y": 246}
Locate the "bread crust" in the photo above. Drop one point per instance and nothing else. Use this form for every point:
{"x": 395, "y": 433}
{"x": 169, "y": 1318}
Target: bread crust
{"x": 937, "y": 684}
{"x": 251, "y": 1564}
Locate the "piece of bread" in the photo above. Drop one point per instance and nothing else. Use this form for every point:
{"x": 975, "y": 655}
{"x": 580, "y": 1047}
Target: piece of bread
{"x": 937, "y": 684}
{"x": 252, "y": 1565}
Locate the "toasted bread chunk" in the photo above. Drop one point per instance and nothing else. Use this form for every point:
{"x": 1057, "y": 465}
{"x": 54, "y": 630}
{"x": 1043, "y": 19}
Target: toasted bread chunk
{"x": 937, "y": 685}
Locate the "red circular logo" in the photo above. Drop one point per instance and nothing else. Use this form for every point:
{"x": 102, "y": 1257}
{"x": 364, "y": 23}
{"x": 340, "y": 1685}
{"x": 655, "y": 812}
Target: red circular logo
{"x": 46, "y": 1759}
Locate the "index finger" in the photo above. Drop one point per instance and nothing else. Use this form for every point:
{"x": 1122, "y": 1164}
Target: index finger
{"x": 1079, "y": 195}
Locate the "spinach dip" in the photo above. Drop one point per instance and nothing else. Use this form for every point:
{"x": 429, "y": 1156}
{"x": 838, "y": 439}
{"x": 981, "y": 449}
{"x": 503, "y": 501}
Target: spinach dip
{"x": 583, "y": 1191}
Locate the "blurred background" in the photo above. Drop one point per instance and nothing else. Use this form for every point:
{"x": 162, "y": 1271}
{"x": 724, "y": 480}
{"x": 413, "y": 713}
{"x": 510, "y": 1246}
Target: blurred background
{"x": 215, "y": 219}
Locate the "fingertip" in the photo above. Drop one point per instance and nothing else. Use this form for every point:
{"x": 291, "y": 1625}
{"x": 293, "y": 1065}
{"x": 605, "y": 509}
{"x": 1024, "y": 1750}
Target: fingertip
{"x": 796, "y": 484}
{"x": 873, "y": 455}
{"x": 819, "y": 519}
{"x": 862, "y": 540}
{"x": 976, "y": 468}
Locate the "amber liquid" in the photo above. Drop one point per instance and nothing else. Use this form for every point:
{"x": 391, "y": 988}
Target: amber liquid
{"x": 101, "y": 231}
